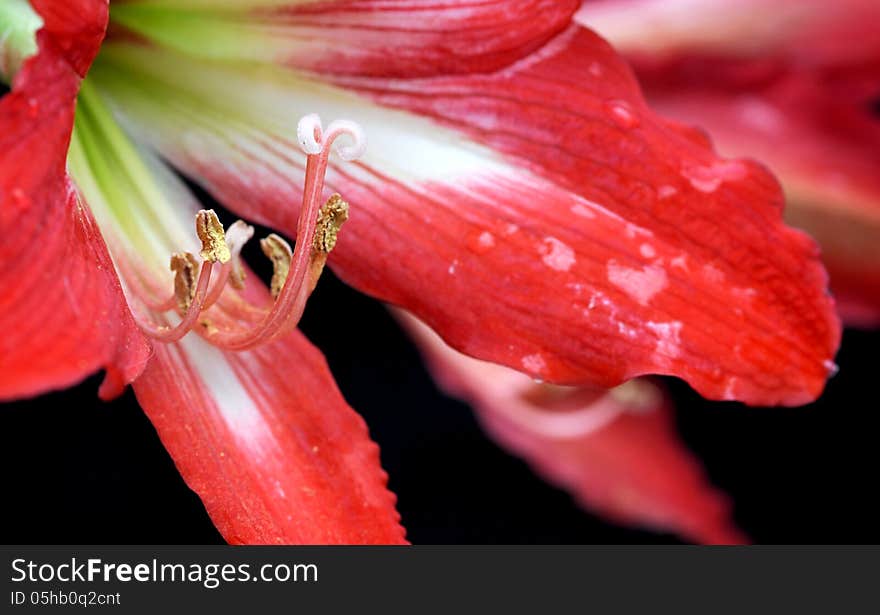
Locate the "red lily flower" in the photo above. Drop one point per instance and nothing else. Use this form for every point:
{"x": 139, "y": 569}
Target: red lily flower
{"x": 789, "y": 83}
{"x": 513, "y": 163}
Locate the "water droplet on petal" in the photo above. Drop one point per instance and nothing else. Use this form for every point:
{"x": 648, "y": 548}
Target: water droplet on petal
{"x": 480, "y": 243}
{"x": 709, "y": 178}
{"x": 622, "y": 114}
{"x": 534, "y": 363}
{"x": 20, "y": 200}
{"x": 556, "y": 254}
{"x": 831, "y": 367}
{"x": 582, "y": 211}
{"x": 664, "y": 192}
{"x": 33, "y": 107}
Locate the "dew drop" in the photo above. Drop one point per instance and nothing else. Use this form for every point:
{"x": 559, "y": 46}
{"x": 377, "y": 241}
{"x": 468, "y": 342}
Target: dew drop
{"x": 534, "y": 363}
{"x": 831, "y": 367}
{"x": 582, "y": 211}
{"x": 33, "y": 107}
{"x": 20, "y": 200}
{"x": 622, "y": 114}
{"x": 709, "y": 178}
{"x": 480, "y": 243}
{"x": 664, "y": 192}
{"x": 556, "y": 254}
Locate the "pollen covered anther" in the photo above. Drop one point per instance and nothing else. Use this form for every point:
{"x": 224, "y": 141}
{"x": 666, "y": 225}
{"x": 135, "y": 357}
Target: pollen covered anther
{"x": 212, "y": 236}
{"x": 333, "y": 214}
{"x": 186, "y": 273}
{"x": 331, "y": 218}
{"x": 278, "y": 251}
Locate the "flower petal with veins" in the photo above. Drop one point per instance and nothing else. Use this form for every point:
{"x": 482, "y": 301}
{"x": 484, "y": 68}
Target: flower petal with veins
{"x": 531, "y": 197}
{"x": 354, "y": 37}
{"x": 266, "y": 440}
{"x": 62, "y": 311}
{"x": 798, "y": 95}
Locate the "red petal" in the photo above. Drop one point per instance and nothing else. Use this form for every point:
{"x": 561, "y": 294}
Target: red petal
{"x": 374, "y": 37}
{"x": 266, "y": 440}
{"x": 361, "y": 37}
{"x": 75, "y": 28}
{"x": 804, "y": 109}
{"x": 702, "y": 276}
{"x": 590, "y": 242}
{"x": 826, "y": 151}
{"x": 61, "y": 311}
{"x": 615, "y": 451}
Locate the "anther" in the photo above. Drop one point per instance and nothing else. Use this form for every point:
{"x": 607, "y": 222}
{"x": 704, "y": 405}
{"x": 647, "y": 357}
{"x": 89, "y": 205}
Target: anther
{"x": 210, "y": 232}
{"x": 333, "y": 214}
{"x": 186, "y": 271}
{"x": 278, "y": 251}
{"x": 238, "y": 234}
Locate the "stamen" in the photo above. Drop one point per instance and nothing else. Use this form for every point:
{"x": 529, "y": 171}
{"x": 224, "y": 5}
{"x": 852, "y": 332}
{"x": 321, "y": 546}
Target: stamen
{"x": 295, "y": 272}
{"x": 213, "y": 239}
{"x": 334, "y": 213}
{"x": 173, "y": 334}
{"x": 238, "y": 235}
{"x": 290, "y": 300}
{"x": 278, "y": 251}
{"x": 190, "y": 292}
{"x": 184, "y": 265}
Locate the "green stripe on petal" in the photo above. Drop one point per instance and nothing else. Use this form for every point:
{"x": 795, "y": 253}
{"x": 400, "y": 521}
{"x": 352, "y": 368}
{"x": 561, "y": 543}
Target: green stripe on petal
{"x": 216, "y": 6}
{"x": 205, "y": 33}
{"x": 144, "y": 211}
{"x": 18, "y": 27}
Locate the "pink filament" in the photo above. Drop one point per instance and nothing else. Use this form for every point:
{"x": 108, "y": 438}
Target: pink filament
{"x": 218, "y": 286}
{"x": 173, "y": 334}
{"x": 290, "y": 303}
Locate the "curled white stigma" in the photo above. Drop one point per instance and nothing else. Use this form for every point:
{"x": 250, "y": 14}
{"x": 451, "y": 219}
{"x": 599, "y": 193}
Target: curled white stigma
{"x": 310, "y": 134}
{"x": 358, "y": 145}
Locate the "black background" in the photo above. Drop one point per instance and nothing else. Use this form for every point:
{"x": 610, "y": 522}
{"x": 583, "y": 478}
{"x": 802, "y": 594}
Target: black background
{"x": 78, "y": 470}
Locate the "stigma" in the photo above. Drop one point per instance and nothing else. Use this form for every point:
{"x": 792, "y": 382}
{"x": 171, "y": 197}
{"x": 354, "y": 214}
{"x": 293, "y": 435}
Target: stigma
{"x": 210, "y": 296}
